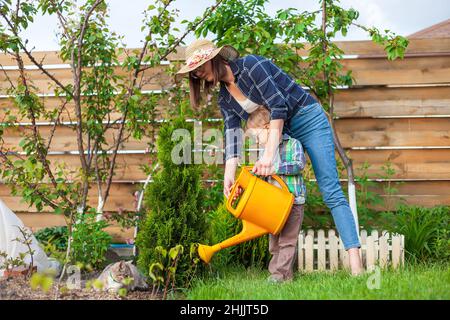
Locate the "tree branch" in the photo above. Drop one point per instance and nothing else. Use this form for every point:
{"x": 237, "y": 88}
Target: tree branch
{"x": 36, "y": 135}
{"x": 30, "y": 56}
{"x": 32, "y": 186}
{"x": 133, "y": 84}
{"x": 61, "y": 19}
{"x": 177, "y": 43}
{"x": 7, "y": 77}
{"x": 56, "y": 121}
{"x": 77, "y": 73}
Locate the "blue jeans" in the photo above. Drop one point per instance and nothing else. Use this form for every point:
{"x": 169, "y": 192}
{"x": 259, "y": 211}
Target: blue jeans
{"x": 311, "y": 127}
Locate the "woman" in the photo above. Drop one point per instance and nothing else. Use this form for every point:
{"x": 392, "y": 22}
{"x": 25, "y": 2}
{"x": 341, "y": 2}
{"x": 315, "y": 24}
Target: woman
{"x": 250, "y": 81}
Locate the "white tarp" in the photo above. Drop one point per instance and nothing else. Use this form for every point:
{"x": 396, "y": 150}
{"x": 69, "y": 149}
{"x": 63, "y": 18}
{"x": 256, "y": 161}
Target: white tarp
{"x": 9, "y": 231}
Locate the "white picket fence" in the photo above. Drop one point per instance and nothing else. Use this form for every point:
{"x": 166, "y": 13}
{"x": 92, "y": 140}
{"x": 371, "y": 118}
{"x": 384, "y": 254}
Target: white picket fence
{"x": 319, "y": 252}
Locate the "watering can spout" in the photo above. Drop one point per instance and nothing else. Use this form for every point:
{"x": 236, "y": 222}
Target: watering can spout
{"x": 249, "y": 231}
{"x": 262, "y": 207}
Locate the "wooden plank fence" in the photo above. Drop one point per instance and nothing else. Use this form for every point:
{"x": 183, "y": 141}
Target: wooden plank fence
{"x": 320, "y": 252}
{"x": 397, "y": 111}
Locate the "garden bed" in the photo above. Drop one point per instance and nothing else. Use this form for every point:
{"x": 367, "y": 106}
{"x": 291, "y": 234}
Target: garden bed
{"x": 18, "y": 288}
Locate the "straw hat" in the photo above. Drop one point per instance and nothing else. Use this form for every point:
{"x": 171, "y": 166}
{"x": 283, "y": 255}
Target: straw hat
{"x": 202, "y": 50}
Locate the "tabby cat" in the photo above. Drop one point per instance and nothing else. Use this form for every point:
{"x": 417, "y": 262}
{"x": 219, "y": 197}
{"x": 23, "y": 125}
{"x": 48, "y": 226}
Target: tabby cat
{"x": 115, "y": 277}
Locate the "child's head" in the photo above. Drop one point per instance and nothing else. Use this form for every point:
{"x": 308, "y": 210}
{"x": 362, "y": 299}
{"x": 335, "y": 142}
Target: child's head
{"x": 258, "y": 125}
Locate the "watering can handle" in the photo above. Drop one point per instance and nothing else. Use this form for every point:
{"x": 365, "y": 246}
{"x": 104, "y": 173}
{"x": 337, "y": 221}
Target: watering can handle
{"x": 242, "y": 201}
{"x": 276, "y": 177}
{"x": 236, "y": 212}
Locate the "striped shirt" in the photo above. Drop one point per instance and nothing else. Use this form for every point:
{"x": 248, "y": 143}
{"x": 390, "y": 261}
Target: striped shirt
{"x": 289, "y": 165}
{"x": 266, "y": 84}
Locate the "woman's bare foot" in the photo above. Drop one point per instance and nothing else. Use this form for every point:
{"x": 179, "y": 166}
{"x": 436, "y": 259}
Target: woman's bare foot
{"x": 355, "y": 261}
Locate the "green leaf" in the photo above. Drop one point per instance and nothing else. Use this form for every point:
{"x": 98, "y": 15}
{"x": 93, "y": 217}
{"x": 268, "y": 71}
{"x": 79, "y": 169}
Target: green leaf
{"x": 299, "y": 28}
{"x": 152, "y": 268}
{"x": 46, "y": 283}
{"x": 173, "y": 253}
{"x": 122, "y": 292}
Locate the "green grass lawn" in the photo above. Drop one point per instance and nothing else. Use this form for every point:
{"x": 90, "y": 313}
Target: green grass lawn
{"x": 411, "y": 282}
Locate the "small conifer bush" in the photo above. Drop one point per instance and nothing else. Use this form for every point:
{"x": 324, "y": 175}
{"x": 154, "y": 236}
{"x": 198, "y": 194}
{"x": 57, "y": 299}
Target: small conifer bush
{"x": 174, "y": 205}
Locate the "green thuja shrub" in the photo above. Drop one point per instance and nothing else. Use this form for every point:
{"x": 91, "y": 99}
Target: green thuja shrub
{"x": 221, "y": 226}
{"x": 173, "y": 203}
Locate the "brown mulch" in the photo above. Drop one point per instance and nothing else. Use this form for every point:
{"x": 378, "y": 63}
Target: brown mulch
{"x": 18, "y": 288}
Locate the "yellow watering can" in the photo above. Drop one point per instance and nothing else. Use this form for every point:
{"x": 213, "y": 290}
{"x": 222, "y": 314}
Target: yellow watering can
{"x": 262, "y": 207}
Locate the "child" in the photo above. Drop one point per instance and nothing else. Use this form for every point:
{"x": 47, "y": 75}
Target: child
{"x": 289, "y": 163}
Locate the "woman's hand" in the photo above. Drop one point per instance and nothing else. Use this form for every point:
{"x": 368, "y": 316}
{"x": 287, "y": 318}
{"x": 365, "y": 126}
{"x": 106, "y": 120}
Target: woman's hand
{"x": 227, "y": 184}
{"x": 264, "y": 167}
{"x": 227, "y": 190}
{"x": 230, "y": 172}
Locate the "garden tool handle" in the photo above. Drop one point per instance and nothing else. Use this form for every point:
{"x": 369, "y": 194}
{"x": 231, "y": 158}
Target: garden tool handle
{"x": 276, "y": 177}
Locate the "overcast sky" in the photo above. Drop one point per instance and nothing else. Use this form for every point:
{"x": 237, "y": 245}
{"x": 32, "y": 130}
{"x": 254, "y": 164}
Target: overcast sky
{"x": 403, "y": 17}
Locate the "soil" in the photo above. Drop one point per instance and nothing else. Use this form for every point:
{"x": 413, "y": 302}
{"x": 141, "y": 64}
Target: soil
{"x": 18, "y": 288}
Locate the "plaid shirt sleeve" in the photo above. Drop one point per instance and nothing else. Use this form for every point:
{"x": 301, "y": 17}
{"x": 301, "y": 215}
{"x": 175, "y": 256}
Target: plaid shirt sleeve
{"x": 233, "y": 134}
{"x": 259, "y": 70}
{"x": 293, "y": 159}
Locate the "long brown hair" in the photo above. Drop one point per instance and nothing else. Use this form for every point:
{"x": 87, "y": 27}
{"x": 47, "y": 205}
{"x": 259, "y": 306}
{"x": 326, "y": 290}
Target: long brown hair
{"x": 218, "y": 64}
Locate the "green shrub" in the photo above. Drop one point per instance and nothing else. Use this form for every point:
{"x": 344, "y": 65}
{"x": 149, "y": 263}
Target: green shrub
{"x": 221, "y": 226}
{"x": 426, "y": 231}
{"x": 89, "y": 241}
{"x": 174, "y": 207}
{"x": 214, "y": 196}
{"x": 56, "y": 236}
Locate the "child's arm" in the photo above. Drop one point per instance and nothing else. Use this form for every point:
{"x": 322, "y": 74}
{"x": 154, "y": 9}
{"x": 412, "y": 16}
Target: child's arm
{"x": 294, "y": 160}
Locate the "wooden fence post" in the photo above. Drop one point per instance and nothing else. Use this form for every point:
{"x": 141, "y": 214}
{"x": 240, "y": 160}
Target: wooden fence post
{"x": 301, "y": 249}
{"x": 363, "y": 237}
{"x": 402, "y": 248}
{"x": 309, "y": 252}
{"x": 396, "y": 250}
{"x": 321, "y": 256}
{"x": 333, "y": 250}
{"x": 370, "y": 253}
{"x": 384, "y": 249}
{"x": 343, "y": 255}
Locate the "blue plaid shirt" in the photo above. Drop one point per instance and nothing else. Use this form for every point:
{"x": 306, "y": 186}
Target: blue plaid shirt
{"x": 263, "y": 83}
